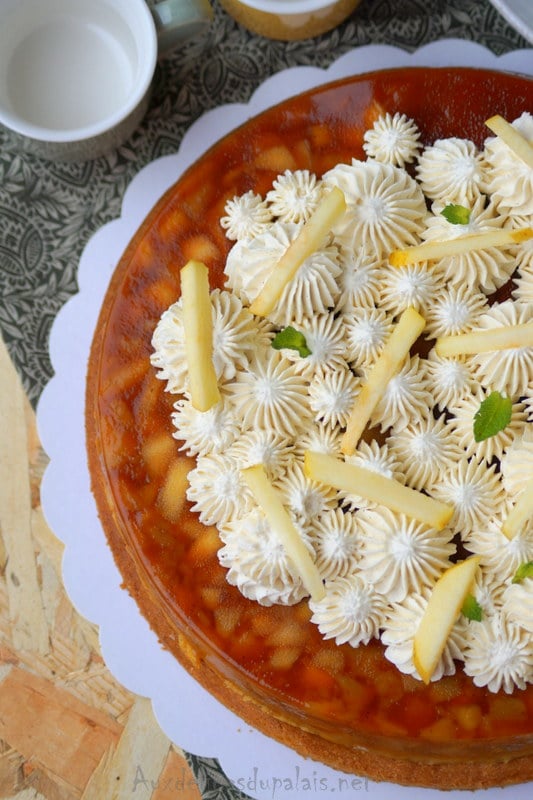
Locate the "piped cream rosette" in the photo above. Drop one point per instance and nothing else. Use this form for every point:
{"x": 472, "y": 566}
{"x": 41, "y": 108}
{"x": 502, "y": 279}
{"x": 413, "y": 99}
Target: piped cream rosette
{"x": 347, "y": 472}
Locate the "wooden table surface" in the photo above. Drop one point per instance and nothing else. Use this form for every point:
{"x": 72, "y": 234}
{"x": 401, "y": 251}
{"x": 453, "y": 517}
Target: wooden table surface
{"x": 68, "y": 729}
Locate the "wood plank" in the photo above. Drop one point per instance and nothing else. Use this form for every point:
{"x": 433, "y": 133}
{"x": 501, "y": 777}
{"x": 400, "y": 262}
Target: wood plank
{"x": 35, "y": 778}
{"x": 52, "y": 728}
{"x": 10, "y": 770}
{"x": 30, "y": 631}
{"x": 142, "y": 750}
{"x": 29, "y": 794}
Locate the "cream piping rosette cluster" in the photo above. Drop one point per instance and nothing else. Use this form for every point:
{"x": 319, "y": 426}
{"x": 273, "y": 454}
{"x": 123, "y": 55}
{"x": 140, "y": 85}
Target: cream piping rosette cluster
{"x": 277, "y": 401}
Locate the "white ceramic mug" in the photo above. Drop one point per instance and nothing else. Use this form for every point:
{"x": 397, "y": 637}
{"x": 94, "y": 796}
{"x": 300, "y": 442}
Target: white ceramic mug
{"x": 290, "y": 19}
{"x": 75, "y": 75}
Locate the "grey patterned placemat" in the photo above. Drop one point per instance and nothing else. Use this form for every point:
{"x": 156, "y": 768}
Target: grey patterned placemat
{"x": 48, "y": 211}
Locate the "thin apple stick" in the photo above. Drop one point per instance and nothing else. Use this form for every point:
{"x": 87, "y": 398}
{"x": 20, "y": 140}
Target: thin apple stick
{"x": 485, "y": 341}
{"x": 443, "y": 608}
{"x": 521, "y": 512}
{"x": 432, "y": 251}
{"x": 377, "y": 488}
{"x": 198, "y": 329}
{"x": 310, "y": 238}
{"x": 396, "y": 349}
{"x": 512, "y": 137}
{"x": 270, "y": 502}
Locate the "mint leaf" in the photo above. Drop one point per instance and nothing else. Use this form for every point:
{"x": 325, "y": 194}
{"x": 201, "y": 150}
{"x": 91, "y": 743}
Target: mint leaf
{"x": 291, "y": 339}
{"x": 525, "y": 570}
{"x": 493, "y": 415}
{"x": 471, "y": 608}
{"x": 456, "y": 214}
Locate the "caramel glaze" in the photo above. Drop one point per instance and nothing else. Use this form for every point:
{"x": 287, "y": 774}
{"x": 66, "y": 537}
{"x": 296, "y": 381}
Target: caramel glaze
{"x": 347, "y": 707}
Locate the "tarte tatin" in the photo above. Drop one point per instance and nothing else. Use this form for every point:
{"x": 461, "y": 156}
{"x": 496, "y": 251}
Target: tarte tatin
{"x": 348, "y": 707}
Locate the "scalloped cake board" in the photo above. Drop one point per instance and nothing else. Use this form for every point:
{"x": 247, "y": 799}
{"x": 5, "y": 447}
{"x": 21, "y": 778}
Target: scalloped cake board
{"x": 190, "y": 716}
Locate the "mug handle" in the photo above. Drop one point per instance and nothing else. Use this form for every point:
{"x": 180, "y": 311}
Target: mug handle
{"x": 176, "y": 20}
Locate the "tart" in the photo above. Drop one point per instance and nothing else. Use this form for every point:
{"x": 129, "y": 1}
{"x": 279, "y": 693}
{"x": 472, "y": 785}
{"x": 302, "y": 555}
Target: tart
{"x": 346, "y": 706}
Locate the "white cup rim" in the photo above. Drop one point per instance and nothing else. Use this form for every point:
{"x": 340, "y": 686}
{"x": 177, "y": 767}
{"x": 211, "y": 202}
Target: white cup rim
{"x": 40, "y": 133}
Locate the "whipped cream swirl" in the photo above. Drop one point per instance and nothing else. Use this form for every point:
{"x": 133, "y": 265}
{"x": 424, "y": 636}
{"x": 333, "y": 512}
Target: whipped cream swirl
{"x": 498, "y": 654}
{"x": 257, "y": 562}
{"x": 246, "y": 216}
{"x": 351, "y": 611}
{"x": 337, "y": 542}
{"x": 509, "y": 371}
{"x": 400, "y": 556}
{"x": 452, "y": 170}
{"x": 514, "y": 195}
{"x": 399, "y": 630}
{"x": 385, "y": 206}
{"x": 518, "y": 604}
{"x": 393, "y": 139}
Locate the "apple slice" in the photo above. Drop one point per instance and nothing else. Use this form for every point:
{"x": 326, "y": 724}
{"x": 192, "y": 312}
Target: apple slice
{"x": 377, "y": 488}
{"x": 512, "y": 138}
{"x": 310, "y": 238}
{"x": 443, "y": 608}
{"x": 521, "y": 512}
{"x": 485, "y": 341}
{"x": 395, "y": 351}
{"x": 432, "y": 251}
{"x": 171, "y": 497}
{"x": 198, "y": 330}
{"x": 157, "y": 452}
{"x": 269, "y": 500}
